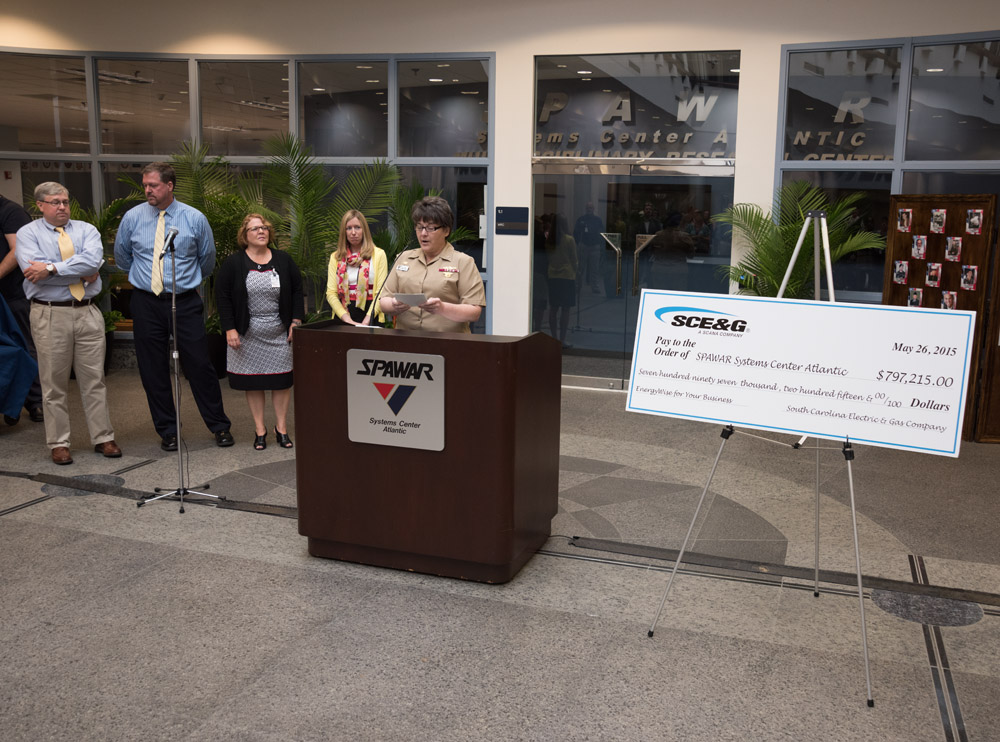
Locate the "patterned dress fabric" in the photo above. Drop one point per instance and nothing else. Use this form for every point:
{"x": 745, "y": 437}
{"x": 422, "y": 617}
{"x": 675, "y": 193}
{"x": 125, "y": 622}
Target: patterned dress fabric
{"x": 264, "y": 358}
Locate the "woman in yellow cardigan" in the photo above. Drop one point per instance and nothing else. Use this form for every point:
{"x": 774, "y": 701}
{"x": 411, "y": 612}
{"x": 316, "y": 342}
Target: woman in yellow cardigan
{"x": 357, "y": 271}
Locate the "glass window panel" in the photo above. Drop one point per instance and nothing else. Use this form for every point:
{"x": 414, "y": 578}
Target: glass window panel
{"x": 952, "y": 182}
{"x": 465, "y": 189}
{"x": 144, "y": 105}
{"x": 343, "y": 108}
{"x": 637, "y": 105}
{"x": 860, "y": 271}
{"x": 955, "y": 102}
{"x": 74, "y": 175}
{"x": 841, "y": 104}
{"x": 443, "y": 108}
{"x": 44, "y": 104}
{"x": 242, "y": 105}
{"x": 114, "y": 175}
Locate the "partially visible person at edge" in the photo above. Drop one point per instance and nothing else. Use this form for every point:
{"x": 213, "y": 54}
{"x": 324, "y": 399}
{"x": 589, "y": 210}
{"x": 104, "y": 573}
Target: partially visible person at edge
{"x": 562, "y": 276}
{"x": 12, "y": 218}
{"x": 60, "y": 258}
{"x": 449, "y": 279}
{"x": 259, "y": 294}
{"x": 357, "y": 271}
{"x": 139, "y": 250}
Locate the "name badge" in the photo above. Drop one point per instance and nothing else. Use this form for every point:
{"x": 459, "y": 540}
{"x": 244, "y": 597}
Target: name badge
{"x": 275, "y": 281}
{"x": 449, "y": 270}
{"x": 402, "y": 268}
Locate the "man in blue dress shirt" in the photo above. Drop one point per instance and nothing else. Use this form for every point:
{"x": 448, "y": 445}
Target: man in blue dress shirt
{"x": 60, "y": 259}
{"x": 139, "y": 250}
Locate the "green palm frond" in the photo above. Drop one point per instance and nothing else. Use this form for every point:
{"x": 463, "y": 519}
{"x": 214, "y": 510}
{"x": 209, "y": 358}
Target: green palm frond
{"x": 772, "y": 237}
{"x": 301, "y": 189}
{"x": 199, "y": 178}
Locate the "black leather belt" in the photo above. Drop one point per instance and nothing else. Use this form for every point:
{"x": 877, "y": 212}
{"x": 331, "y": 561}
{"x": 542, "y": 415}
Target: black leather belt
{"x": 70, "y": 303}
{"x": 166, "y": 294}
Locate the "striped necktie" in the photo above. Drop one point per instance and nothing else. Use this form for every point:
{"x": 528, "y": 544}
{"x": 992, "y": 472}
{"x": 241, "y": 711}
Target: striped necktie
{"x": 156, "y": 271}
{"x": 66, "y": 250}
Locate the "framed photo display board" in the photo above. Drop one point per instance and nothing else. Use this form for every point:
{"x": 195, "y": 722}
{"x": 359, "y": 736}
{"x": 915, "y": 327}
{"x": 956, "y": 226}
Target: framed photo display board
{"x": 941, "y": 254}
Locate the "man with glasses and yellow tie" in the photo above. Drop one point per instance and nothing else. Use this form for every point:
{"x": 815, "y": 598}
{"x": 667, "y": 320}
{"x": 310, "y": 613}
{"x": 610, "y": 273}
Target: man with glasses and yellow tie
{"x": 139, "y": 250}
{"x": 60, "y": 258}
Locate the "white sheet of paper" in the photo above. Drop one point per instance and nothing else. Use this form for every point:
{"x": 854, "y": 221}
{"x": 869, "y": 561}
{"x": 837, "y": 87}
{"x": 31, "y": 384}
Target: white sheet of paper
{"x": 412, "y": 299}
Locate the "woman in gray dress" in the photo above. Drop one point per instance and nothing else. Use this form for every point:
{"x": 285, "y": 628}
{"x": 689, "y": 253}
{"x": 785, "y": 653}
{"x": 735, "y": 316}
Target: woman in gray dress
{"x": 259, "y": 294}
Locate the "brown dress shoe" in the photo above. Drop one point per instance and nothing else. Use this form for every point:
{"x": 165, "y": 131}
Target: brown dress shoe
{"x": 60, "y": 455}
{"x": 109, "y": 449}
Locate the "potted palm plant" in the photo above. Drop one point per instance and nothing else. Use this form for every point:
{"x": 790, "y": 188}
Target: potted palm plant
{"x": 771, "y": 238}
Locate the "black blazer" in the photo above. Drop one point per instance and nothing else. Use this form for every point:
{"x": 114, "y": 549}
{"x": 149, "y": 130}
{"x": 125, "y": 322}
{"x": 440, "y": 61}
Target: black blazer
{"x": 231, "y": 290}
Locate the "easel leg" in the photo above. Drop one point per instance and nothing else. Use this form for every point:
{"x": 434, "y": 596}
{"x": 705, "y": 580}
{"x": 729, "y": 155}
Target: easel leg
{"x": 816, "y": 583}
{"x": 726, "y": 432}
{"x": 849, "y": 456}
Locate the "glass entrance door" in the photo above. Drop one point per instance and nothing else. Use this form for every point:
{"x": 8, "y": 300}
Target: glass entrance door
{"x": 602, "y": 233}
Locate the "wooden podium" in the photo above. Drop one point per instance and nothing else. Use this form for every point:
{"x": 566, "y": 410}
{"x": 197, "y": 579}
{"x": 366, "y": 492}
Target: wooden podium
{"x": 476, "y": 510}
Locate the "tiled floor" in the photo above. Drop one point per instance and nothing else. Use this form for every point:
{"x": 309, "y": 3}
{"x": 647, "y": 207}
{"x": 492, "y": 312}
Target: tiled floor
{"x": 128, "y": 623}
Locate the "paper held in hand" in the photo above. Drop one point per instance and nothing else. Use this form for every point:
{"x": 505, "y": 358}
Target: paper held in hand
{"x": 413, "y": 300}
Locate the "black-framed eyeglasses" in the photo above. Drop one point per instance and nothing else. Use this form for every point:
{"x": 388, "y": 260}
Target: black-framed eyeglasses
{"x": 427, "y": 230}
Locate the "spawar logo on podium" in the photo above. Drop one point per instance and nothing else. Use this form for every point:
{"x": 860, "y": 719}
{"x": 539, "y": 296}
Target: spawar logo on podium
{"x": 411, "y": 385}
{"x": 395, "y": 395}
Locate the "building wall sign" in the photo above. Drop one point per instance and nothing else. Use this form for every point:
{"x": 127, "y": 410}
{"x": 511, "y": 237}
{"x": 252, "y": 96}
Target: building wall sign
{"x": 636, "y": 106}
{"x": 842, "y": 105}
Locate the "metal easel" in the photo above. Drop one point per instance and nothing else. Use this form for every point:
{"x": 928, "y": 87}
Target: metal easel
{"x": 820, "y": 233}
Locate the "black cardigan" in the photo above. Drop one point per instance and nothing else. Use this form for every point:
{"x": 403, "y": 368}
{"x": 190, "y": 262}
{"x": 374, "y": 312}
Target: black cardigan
{"x": 231, "y": 290}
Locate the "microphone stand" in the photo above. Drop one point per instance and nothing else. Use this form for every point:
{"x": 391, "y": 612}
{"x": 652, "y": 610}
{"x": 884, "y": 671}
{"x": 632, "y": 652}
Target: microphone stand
{"x": 181, "y": 490}
{"x": 375, "y": 299}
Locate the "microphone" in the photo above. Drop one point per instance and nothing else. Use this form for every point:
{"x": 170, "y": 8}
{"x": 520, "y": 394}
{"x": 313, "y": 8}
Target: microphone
{"x": 168, "y": 242}
{"x": 371, "y": 307}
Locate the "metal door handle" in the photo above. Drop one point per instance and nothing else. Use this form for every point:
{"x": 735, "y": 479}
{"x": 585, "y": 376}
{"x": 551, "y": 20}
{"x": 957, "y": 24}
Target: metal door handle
{"x": 635, "y": 266}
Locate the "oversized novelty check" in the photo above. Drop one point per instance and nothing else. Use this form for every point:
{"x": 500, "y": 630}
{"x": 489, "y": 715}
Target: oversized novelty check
{"x": 880, "y": 375}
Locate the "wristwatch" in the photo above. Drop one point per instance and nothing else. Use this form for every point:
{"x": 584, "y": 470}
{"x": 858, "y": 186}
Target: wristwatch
{"x": 50, "y": 268}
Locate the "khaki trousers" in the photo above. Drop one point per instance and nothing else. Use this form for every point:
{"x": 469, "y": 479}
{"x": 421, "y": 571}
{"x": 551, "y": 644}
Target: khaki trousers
{"x": 71, "y": 337}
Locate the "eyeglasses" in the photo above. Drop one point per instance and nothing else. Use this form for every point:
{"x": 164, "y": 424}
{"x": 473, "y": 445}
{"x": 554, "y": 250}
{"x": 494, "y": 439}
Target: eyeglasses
{"x": 426, "y": 229}
{"x": 261, "y": 228}
{"x": 63, "y": 202}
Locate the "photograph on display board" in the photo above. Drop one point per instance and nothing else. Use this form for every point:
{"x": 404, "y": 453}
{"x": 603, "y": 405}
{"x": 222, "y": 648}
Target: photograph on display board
{"x": 919, "y": 250}
{"x": 953, "y": 249}
{"x": 916, "y": 298}
{"x": 970, "y": 275}
{"x": 938, "y": 218}
{"x": 974, "y": 221}
{"x": 949, "y": 299}
{"x": 933, "y": 274}
{"x": 900, "y": 269}
{"x": 904, "y": 220}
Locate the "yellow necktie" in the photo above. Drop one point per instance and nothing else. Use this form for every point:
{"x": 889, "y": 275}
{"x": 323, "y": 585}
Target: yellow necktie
{"x": 156, "y": 282}
{"x": 67, "y": 251}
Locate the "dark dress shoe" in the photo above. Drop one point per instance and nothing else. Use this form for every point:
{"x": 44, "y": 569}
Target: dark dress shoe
{"x": 224, "y": 439}
{"x": 36, "y": 415}
{"x": 109, "y": 449}
{"x": 283, "y": 440}
{"x": 60, "y": 455}
{"x": 169, "y": 443}
{"x": 11, "y": 420}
